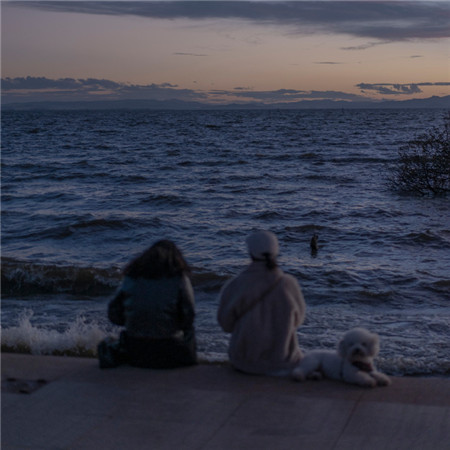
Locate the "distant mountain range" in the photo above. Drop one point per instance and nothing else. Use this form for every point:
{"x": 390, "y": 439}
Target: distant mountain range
{"x": 431, "y": 102}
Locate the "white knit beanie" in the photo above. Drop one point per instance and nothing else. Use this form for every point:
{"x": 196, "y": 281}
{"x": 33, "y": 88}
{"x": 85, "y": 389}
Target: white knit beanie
{"x": 261, "y": 243}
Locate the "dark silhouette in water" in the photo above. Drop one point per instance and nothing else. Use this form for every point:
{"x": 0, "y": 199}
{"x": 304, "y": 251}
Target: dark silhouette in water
{"x": 313, "y": 244}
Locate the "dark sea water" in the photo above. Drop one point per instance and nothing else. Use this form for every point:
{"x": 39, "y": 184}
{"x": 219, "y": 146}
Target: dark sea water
{"x": 85, "y": 191}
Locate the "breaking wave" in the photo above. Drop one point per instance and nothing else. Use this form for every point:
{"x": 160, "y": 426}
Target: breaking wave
{"x": 79, "y": 339}
{"x": 27, "y": 278}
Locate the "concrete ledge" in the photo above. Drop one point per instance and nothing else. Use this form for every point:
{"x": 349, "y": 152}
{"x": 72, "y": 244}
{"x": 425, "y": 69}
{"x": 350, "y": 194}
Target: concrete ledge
{"x": 78, "y": 406}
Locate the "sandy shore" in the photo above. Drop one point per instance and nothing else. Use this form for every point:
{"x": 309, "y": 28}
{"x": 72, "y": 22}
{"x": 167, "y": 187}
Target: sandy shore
{"x": 53, "y": 402}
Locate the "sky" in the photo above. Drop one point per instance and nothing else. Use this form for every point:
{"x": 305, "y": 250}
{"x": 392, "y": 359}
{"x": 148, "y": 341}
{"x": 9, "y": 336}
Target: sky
{"x": 224, "y": 51}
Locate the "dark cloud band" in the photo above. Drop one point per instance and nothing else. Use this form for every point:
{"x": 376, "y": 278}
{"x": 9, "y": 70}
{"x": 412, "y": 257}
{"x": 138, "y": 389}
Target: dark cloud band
{"x": 389, "y": 21}
{"x": 65, "y": 89}
{"x": 397, "y": 89}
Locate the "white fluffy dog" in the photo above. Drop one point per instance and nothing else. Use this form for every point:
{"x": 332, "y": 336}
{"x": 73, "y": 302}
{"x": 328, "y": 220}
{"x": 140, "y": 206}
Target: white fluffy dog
{"x": 352, "y": 363}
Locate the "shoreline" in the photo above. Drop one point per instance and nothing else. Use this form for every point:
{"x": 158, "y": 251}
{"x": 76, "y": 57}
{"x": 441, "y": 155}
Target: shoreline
{"x": 404, "y": 333}
{"x": 71, "y": 403}
{"x": 202, "y": 360}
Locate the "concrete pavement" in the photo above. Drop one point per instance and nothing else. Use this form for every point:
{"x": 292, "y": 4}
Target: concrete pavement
{"x": 53, "y": 402}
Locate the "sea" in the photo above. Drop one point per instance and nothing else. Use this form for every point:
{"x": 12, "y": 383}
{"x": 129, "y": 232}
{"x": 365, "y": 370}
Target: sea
{"x": 83, "y": 192}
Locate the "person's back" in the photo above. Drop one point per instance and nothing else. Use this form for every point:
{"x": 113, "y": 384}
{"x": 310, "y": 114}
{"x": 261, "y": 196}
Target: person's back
{"x": 152, "y": 306}
{"x": 262, "y": 307}
{"x": 155, "y": 303}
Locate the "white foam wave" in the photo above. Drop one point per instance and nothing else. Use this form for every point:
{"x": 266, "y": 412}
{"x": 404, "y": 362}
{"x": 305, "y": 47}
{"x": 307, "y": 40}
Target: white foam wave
{"x": 80, "y": 338}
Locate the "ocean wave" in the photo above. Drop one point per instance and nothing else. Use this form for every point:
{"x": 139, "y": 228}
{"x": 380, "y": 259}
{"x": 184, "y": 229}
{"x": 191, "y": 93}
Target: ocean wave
{"x": 441, "y": 284}
{"x": 413, "y": 366}
{"x": 106, "y": 131}
{"x": 101, "y": 223}
{"x": 205, "y": 281}
{"x": 186, "y": 163}
{"x": 427, "y": 237}
{"x": 441, "y": 287}
{"x": 21, "y": 165}
{"x": 369, "y": 296}
{"x": 26, "y": 278}
{"x": 269, "y": 215}
{"x": 104, "y": 147}
{"x": 327, "y": 178}
{"x": 166, "y": 199}
{"x": 214, "y": 127}
{"x": 357, "y": 159}
{"x": 83, "y": 224}
{"x": 23, "y": 278}
{"x": 309, "y": 155}
{"x": 306, "y": 228}
{"x": 134, "y": 178}
{"x": 80, "y": 174}
{"x": 40, "y": 197}
{"x": 413, "y": 342}
{"x": 79, "y": 339}
{"x": 369, "y": 212}
{"x": 35, "y": 130}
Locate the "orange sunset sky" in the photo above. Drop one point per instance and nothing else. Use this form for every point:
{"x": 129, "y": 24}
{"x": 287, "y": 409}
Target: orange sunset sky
{"x": 222, "y": 51}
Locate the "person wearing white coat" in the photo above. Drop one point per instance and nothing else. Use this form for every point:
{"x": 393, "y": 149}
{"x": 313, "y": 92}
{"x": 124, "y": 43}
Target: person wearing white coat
{"x": 262, "y": 308}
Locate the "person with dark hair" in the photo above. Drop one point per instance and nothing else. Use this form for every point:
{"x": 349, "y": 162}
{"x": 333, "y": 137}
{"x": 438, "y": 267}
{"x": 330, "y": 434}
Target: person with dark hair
{"x": 262, "y": 308}
{"x": 156, "y": 305}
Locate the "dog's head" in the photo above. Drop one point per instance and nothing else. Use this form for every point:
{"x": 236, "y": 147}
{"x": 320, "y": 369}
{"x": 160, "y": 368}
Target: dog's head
{"x": 359, "y": 344}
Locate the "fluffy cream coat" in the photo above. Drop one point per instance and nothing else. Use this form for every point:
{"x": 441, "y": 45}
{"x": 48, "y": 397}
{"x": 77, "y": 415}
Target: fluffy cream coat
{"x": 262, "y": 309}
{"x": 353, "y": 362}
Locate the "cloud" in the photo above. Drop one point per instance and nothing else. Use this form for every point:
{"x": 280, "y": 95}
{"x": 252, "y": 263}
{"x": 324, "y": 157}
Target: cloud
{"x": 396, "y": 88}
{"x": 70, "y": 89}
{"x": 42, "y": 83}
{"x": 65, "y": 89}
{"x": 35, "y": 89}
{"x": 386, "y": 21}
{"x": 332, "y": 63}
{"x": 366, "y": 45}
{"x": 288, "y": 95}
{"x": 188, "y": 54}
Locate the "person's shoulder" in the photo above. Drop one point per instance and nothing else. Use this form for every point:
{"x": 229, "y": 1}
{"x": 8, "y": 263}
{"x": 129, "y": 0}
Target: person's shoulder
{"x": 128, "y": 283}
{"x": 240, "y": 277}
{"x": 289, "y": 280}
{"x": 288, "y": 276}
{"x": 184, "y": 280}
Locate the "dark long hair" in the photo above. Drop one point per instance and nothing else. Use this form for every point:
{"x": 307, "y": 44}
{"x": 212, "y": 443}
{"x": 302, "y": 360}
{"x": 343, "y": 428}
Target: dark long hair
{"x": 162, "y": 260}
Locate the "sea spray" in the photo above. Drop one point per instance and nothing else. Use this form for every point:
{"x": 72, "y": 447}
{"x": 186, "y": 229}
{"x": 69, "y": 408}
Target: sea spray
{"x": 79, "y": 339}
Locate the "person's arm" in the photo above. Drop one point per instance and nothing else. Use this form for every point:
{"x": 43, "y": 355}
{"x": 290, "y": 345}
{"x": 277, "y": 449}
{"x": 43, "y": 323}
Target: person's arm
{"x": 116, "y": 309}
{"x": 186, "y": 304}
{"x": 226, "y": 315}
{"x": 299, "y": 301}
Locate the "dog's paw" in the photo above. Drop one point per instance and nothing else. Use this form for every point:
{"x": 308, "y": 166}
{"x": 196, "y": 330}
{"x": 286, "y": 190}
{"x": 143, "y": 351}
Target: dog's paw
{"x": 298, "y": 375}
{"x": 382, "y": 379}
{"x": 366, "y": 381}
